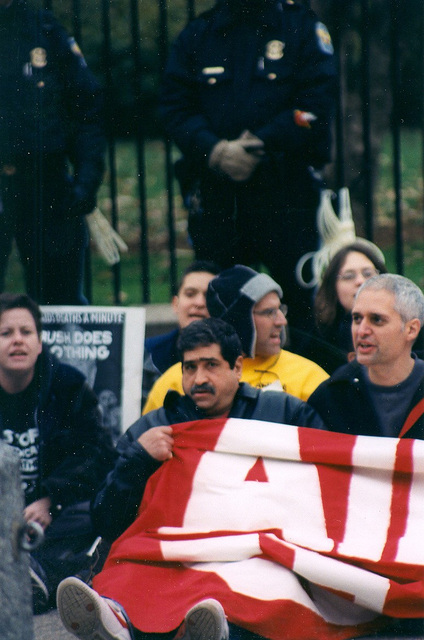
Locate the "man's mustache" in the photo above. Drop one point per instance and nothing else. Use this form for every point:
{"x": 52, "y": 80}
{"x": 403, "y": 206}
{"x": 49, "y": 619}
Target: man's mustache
{"x": 198, "y": 388}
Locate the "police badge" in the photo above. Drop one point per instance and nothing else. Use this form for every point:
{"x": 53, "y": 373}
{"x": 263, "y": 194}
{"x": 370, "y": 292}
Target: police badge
{"x": 274, "y": 50}
{"x": 38, "y": 57}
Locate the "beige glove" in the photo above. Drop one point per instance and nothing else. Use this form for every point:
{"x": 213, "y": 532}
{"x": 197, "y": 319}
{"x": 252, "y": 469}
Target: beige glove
{"x": 237, "y": 158}
{"x": 107, "y": 240}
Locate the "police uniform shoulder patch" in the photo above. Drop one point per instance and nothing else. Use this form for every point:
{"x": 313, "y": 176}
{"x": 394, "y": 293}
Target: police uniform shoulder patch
{"x": 324, "y": 38}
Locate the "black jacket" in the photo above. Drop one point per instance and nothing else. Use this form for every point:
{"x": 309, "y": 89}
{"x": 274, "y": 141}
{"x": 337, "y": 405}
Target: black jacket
{"x": 116, "y": 504}
{"x": 75, "y": 451}
{"x": 226, "y": 74}
{"x": 344, "y": 404}
{"x": 50, "y": 102}
{"x": 163, "y": 349}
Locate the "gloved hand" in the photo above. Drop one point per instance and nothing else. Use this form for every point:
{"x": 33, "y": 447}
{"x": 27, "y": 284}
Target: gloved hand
{"x": 237, "y": 158}
{"x": 81, "y": 202}
{"x": 108, "y": 241}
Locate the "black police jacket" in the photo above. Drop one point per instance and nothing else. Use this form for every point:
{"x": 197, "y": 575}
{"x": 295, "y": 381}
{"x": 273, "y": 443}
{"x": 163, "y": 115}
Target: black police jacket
{"x": 274, "y": 76}
{"x": 50, "y": 103}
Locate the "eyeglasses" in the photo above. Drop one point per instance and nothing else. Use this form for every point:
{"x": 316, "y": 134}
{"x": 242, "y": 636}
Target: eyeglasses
{"x": 347, "y": 276}
{"x": 272, "y": 313}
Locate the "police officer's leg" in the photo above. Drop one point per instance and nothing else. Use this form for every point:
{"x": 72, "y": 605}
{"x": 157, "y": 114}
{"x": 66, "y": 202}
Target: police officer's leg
{"x": 63, "y": 258}
{"x": 22, "y": 202}
{"x": 7, "y": 226}
{"x": 282, "y": 255}
{"x": 283, "y": 233}
{"x": 211, "y": 223}
{"x": 64, "y": 238}
{"x": 31, "y": 200}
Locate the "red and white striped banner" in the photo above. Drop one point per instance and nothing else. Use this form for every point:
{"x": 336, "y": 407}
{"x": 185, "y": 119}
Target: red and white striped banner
{"x": 299, "y": 533}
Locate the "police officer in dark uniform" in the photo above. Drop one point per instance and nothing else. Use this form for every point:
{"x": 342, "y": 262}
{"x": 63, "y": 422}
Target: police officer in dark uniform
{"x": 248, "y": 96}
{"x": 50, "y": 116}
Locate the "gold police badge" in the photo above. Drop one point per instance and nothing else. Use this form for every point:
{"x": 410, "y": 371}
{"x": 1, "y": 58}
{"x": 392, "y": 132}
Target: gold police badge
{"x": 38, "y": 57}
{"x": 274, "y": 50}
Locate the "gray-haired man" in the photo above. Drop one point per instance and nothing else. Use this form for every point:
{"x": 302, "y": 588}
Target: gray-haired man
{"x": 381, "y": 392}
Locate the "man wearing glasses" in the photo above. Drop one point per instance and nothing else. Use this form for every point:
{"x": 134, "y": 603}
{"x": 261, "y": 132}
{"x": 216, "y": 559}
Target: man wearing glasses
{"x": 251, "y": 303}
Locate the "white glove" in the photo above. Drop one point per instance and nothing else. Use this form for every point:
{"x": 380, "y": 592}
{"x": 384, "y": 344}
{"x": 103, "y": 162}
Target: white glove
{"x": 107, "y": 240}
{"x": 237, "y": 158}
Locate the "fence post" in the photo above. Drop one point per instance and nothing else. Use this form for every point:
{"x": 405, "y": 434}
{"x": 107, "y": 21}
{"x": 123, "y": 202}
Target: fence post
{"x": 15, "y": 586}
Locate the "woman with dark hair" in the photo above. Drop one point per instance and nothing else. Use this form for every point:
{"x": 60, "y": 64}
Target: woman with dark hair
{"x": 347, "y": 270}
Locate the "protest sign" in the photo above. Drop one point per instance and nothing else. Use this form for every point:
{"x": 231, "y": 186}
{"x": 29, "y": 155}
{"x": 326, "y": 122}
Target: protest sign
{"x": 106, "y": 344}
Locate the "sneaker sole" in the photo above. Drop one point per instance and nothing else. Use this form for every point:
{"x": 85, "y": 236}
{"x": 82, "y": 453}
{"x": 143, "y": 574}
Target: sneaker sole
{"x": 207, "y": 621}
{"x": 80, "y": 611}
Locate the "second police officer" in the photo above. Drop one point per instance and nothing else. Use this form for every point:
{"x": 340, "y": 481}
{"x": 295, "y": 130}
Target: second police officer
{"x": 248, "y": 96}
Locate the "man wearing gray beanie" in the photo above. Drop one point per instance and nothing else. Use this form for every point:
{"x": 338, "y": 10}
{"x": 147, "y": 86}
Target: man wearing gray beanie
{"x": 251, "y": 303}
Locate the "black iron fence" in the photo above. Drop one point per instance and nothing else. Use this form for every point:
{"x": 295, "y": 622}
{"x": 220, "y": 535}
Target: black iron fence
{"x": 379, "y": 47}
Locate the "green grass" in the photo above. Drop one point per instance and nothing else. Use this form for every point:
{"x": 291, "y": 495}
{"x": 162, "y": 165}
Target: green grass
{"x": 131, "y": 292}
{"x": 412, "y": 180}
{"x": 412, "y": 205}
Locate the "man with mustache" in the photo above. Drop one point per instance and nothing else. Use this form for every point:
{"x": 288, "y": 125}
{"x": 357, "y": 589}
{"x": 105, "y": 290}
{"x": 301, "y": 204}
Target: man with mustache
{"x": 211, "y": 356}
{"x": 381, "y": 392}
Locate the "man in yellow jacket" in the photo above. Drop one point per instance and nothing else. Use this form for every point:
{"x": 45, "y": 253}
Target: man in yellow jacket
{"x": 251, "y": 302}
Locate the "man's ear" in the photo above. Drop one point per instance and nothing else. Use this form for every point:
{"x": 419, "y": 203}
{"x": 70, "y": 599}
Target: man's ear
{"x": 412, "y": 329}
{"x": 238, "y": 366}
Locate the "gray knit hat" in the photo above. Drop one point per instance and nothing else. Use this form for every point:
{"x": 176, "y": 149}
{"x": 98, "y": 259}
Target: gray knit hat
{"x": 233, "y": 293}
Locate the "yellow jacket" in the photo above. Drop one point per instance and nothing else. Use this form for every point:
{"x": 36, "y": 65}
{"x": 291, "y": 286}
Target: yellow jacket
{"x": 287, "y": 372}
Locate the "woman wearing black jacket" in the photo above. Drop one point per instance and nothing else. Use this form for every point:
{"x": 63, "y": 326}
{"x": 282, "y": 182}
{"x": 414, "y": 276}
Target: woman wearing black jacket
{"x": 50, "y": 415}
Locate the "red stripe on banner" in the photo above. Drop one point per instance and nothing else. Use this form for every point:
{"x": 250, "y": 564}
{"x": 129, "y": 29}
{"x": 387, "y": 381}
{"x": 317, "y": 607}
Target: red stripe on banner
{"x": 415, "y": 414}
{"x": 257, "y": 473}
{"x": 171, "y": 507}
{"x": 336, "y": 451}
{"x": 200, "y": 434}
{"x": 194, "y": 438}
{"x": 401, "y": 483}
{"x": 326, "y": 447}
{"x": 277, "y": 550}
{"x": 411, "y": 606}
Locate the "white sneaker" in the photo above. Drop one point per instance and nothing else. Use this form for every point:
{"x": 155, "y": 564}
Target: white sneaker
{"x": 89, "y": 616}
{"x": 205, "y": 621}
